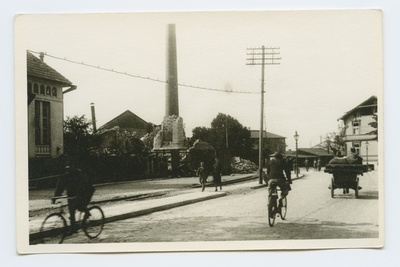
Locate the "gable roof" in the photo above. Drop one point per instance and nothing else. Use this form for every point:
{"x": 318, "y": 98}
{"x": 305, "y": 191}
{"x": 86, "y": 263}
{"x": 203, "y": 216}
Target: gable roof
{"x": 256, "y": 134}
{"x": 37, "y": 68}
{"x": 372, "y": 101}
{"x": 126, "y": 120}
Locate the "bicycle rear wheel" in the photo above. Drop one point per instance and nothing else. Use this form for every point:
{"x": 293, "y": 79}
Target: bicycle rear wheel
{"x": 272, "y": 211}
{"x": 283, "y": 209}
{"x": 53, "y": 229}
{"x": 93, "y": 222}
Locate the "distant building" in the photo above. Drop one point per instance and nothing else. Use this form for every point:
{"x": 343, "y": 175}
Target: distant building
{"x": 271, "y": 141}
{"x": 358, "y": 132}
{"x": 46, "y": 88}
{"x": 128, "y": 121}
{"x": 311, "y": 154}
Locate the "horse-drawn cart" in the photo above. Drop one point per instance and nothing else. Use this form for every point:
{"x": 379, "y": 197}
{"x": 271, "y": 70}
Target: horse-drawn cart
{"x": 345, "y": 176}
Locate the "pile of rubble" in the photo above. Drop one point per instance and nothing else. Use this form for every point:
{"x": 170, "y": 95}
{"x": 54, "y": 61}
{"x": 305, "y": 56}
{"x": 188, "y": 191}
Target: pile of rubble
{"x": 240, "y": 165}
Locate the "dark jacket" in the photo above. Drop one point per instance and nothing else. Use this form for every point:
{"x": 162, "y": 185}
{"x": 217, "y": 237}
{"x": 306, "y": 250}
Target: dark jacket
{"x": 279, "y": 169}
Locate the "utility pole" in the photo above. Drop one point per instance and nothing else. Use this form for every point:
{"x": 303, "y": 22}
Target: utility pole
{"x": 258, "y": 57}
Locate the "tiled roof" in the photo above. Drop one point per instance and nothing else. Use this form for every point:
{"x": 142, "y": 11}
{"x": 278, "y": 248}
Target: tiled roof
{"x": 256, "y": 134}
{"x": 126, "y": 120}
{"x": 372, "y": 101}
{"x": 37, "y": 68}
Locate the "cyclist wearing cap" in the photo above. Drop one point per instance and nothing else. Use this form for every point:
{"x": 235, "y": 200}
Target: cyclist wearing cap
{"x": 279, "y": 172}
{"x": 78, "y": 187}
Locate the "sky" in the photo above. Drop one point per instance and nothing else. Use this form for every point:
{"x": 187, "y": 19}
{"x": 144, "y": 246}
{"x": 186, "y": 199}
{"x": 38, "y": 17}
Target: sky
{"x": 331, "y": 61}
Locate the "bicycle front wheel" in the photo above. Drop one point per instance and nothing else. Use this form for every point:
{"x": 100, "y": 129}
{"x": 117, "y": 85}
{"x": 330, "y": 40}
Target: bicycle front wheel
{"x": 93, "y": 222}
{"x": 271, "y": 211}
{"x": 283, "y": 209}
{"x": 53, "y": 229}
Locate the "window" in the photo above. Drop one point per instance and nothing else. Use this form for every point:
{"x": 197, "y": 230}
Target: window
{"x": 36, "y": 88}
{"x": 54, "y": 91}
{"x": 48, "y": 90}
{"x": 42, "y": 123}
{"x": 357, "y": 147}
{"x": 42, "y": 91}
{"x": 356, "y": 127}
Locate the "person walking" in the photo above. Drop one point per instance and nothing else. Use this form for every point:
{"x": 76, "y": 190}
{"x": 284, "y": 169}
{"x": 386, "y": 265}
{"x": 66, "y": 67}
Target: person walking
{"x": 306, "y": 164}
{"x": 315, "y": 165}
{"x": 202, "y": 174}
{"x": 319, "y": 164}
{"x": 217, "y": 172}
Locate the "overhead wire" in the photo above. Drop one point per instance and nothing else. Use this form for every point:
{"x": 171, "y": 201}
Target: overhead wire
{"x": 141, "y": 76}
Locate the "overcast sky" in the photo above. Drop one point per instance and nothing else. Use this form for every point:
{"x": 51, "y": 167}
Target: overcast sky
{"x": 331, "y": 62}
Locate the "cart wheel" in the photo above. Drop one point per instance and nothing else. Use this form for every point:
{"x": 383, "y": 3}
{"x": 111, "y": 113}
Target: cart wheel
{"x": 356, "y": 188}
{"x": 332, "y": 194}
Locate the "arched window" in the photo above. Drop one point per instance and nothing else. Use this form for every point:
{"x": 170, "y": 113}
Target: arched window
{"x": 36, "y": 88}
{"x": 48, "y": 90}
{"x": 42, "y": 92}
{"x": 54, "y": 91}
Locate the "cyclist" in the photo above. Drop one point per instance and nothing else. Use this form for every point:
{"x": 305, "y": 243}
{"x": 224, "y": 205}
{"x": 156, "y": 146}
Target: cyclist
{"x": 277, "y": 169}
{"x": 78, "y": 187}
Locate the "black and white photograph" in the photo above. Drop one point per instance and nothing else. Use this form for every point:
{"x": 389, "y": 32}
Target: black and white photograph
{"x": 199, "y": 131}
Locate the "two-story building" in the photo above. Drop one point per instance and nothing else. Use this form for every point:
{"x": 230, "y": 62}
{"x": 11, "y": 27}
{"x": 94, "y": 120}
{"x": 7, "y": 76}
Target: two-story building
{"x": 271, "y": 141}
{"x": 358, "y": 131}
{"x": 46, "y": 88}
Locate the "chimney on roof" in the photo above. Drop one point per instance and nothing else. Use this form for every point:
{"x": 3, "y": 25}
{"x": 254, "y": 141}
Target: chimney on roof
{"x": 41, "y": 55}
{"x": 93, "y": 117}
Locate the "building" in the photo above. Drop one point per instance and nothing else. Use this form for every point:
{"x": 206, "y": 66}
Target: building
{"x": 128, "y": 121}
{"x": 46, "y": 88}
{"x": 271, "y": 141}
{"x": 358, "y": 131}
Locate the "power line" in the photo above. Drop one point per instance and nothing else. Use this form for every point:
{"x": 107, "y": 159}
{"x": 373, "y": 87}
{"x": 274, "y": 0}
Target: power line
{"x": 142, "y": 77}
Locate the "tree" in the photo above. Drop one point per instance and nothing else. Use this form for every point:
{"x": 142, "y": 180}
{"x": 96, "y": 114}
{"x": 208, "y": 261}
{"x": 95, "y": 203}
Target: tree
{"x": 334, "y": 142}
{"x": 374, "y": 124}
{"x": 77, "y": 136}
{"x": 225, "y": 132}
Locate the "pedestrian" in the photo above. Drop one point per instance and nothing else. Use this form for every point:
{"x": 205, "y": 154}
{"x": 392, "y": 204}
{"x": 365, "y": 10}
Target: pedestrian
{"x": 216, "y": 173}
{"x": 315, "y": 165}
{"x": 306, "y": 164}
{"x": 319, "y": 164}
{"x": 202, "y": 174}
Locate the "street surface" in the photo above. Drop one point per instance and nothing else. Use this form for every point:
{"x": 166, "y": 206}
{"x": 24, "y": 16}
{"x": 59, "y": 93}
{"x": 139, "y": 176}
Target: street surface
{"x": 242, "y": 215}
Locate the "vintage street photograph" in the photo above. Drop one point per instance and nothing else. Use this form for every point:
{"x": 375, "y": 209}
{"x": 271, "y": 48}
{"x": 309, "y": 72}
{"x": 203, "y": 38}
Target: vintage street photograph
{"x": 199, "y": 131}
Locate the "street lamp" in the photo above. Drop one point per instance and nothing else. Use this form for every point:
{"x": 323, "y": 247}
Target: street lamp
{"x": 296, "y": 138}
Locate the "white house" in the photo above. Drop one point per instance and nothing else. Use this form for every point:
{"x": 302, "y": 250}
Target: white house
{"x": 358, "y": 131}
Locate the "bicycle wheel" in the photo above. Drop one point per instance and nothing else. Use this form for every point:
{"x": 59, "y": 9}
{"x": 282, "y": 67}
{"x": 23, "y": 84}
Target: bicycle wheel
{"x": 93, "y": 222}
{"x": 283, "y": 209}
{"x": 53, "y": 229}
{"x": 272, "y": 211}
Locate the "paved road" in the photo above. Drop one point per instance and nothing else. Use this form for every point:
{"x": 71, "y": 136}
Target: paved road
{"x": 242, "y": 215}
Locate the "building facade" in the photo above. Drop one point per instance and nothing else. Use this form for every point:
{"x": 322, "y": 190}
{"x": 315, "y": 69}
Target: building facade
{"x": 45, "y": 88}
{"x": 271, "y": 141}
{"x": 359, "y": 133}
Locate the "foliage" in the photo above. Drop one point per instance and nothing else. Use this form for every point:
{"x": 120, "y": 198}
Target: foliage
{"x": 77, "y": 136}
{"x": 374, "y": 124}
{"x": 225, "y": 132}
{"x": 334, "y": 142}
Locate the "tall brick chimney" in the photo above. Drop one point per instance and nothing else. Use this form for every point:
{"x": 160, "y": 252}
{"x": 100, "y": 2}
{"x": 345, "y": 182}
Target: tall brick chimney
{"x": 171, "y": 89}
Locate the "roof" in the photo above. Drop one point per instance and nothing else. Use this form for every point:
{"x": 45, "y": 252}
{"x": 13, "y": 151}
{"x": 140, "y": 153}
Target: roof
{"x": 126, "y": 120}
{"x": 372, "y": 101}
{"x": 256, "y": 134}
{"x": 37, "y": 68}
{"x": 310, "y": 152}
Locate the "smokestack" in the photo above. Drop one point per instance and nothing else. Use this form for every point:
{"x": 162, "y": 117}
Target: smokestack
{"x": 93, "y": 117}
{"x": 171, "y": 89}
{"x": 41, "y": 56}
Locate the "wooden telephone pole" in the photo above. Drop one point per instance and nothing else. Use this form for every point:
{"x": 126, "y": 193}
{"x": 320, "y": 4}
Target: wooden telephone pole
{"x": 262, "y": 56}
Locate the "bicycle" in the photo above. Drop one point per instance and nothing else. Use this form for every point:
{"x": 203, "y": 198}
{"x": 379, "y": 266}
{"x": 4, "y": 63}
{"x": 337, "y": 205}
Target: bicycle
{"x": 275, "y": 208}
{"x": 54, "y": 227}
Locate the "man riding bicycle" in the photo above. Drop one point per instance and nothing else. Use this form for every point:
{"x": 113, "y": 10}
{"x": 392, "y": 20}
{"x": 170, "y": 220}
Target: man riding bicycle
{"x": 78, "y": 186}
{"x": 277, "y": 169}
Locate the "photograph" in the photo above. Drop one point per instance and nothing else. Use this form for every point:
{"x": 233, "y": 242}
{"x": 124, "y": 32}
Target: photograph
{"x": 192, "y": 131}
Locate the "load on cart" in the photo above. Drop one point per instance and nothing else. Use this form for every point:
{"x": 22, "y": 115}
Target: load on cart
{"x": 345, "y": 173}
